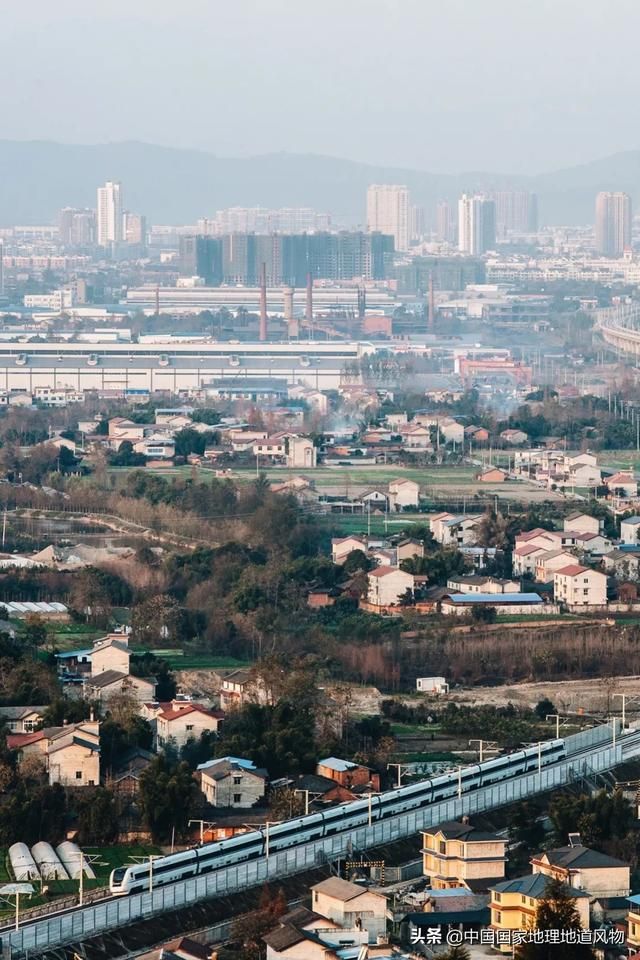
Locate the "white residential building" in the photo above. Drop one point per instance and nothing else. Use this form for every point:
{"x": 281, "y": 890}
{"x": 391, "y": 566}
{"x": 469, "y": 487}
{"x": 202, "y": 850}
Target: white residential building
{"x": 582, "y": 522}
{"x": 232, "y": 782}
{"x": 184, "y": 721}
{"x": 388, "y": 212}
{"x": 451, "y": 530}
{"x": 341, "y": 547}
{"x": 387, "y": 584}
{"x": 550, "y": 561}
{"x": 576, "y": 585}
{"x": 109, "y": 214}
{"x": 404, "y": 493}
{"x": 476, "y": 224}
{"x": 630, "y": 530}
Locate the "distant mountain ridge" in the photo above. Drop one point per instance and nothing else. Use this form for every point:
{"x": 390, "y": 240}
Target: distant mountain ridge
{"x": 170, "y": 185}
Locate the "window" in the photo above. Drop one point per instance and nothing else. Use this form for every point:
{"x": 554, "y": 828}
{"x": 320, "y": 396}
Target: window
{"x": 91, "y": 783}
{"x": 498, "y": 916}
{"x": 497, "y": 897}
{"x": 237, "y": 780}
{"x": 78, "y": 774}
{"x": 443, "y": 846}
{"x": 523, "y": 898}
{"x": 189, "y": 726}
{"x": 237, "y": 798}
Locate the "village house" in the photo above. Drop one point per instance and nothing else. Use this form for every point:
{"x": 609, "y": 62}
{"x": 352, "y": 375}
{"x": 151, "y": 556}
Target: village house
{"x": 22, "y": 719}
{"x": 232, "y": 782}
{"x": 630, "y": 530}
{"x": 121, "y": 429}
{"x": 159, "y": 446}
{"x": 301, "y": 453}
{"x": 124, "y": 778}
{"x": 622, "y": 564}
{"x": 594, "y": 544}
{"x": 71, "y": 753}
{"x": 514, "y": 437}
{"x": 403, "y": 493}
{"x": 111, "y": 653}
{"x": 451, "y": 530}
{"x": 407, "y": 549}
{"x": 633, "y": 925}
{"x": 239, "y": 687}
{"x": 347, "y": 773}
{"x": 449, "y": 429}
{"x": 341, "y": 547}
{"x": 109, "y": 683}
{"x": 575, "y": 585}
{"x": 578, "y": 866}
{"x": 524, "y": 560}
{"x": 351, "y": 906}
{"x": 183, "y": 721}
{"x": 416, "y": 438}
{"x": 476, "y": 434}
{"x": 514, "y": 904}
{"x": 383, "y": 558}
{"x": 457, "y": 854}
{"x": 583, "y": 522}
{"x": 493, "y": 475}
{"x": 622, "y": 484}
{"x": 550, "y": 561}
{"x": 375, "y": 500}
{"x": 386, "y": 585}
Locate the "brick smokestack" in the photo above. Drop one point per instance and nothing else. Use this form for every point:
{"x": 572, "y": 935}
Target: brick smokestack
{"x": 292, "y": 323}
{"x": 309, "y": 308}
{"x": 263, "y": 302}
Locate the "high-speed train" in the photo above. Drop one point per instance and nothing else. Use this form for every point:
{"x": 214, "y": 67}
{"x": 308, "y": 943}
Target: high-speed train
{"x": 339, "y": 819}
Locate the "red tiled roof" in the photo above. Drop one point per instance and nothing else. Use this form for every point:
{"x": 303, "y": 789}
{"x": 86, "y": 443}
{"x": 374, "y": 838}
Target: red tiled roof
{"x": 17, "y": 740}
{"x": 384, "y": 571}
{"x": 170, "y": 715}
{"x": 572, "y": 570}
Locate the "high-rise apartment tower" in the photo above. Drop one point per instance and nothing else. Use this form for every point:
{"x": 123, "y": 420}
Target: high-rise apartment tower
{"x": 476, "y": 224}
{"x": 109, "y": 214}
{"x": 613, "y": 223}
{"x": 388, "y": 212}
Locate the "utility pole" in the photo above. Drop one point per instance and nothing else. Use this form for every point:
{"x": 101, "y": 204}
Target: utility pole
{"x": 484, "y": 745}
{"x": 556, "y": 717}
{"x": 402, "y": 769}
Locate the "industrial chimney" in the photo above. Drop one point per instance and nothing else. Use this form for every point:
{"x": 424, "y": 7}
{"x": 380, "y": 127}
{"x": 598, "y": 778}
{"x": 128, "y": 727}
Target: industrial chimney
{"x": 432, "y": 305}
{"x": 291, "y": 322}
{"x": 309, "y": 309}
{"x": 263, "y": 302}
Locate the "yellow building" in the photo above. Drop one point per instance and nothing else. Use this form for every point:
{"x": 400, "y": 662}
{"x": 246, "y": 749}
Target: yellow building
{"x": 456, "y": 854}
{"x": 633, "y": 922}
{"x": 514, "y": 904}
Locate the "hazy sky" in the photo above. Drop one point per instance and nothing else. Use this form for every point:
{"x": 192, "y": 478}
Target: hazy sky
{"x": 443, "y": 85}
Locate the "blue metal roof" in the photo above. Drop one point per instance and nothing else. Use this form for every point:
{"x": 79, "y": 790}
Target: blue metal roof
{"x": 494, "y": 598}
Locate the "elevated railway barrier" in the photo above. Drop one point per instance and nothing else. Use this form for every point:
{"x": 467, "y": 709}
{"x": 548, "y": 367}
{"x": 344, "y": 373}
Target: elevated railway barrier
{"x": 588, "y": 753}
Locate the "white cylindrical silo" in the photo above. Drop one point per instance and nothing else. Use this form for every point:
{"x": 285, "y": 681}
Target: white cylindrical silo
{"x": 72, "y": 858}
{"x": 48, "y": 862}
{"x": 22, "y": 863}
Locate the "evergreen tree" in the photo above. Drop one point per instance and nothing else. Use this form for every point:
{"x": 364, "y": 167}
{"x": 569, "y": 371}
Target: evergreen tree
{"x": 556, "y": 911}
